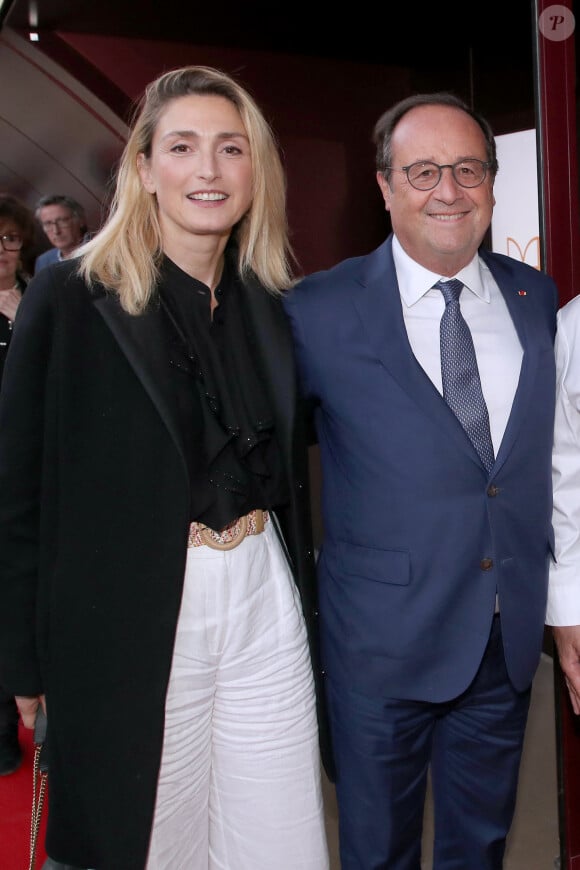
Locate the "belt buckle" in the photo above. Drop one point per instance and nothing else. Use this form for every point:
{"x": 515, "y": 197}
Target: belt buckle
{"x": 212, "y": 538}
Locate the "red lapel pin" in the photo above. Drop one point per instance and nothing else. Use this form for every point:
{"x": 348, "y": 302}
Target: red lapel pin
{"x": 522, "y": 293}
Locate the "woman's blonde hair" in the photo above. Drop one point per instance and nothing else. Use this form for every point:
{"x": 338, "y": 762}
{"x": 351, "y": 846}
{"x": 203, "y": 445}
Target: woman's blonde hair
{"x": 126, "y": 253}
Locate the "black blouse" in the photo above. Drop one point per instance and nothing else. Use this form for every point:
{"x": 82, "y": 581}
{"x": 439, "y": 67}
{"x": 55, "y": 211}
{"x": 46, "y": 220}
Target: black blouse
{"x": 227, "y": 423}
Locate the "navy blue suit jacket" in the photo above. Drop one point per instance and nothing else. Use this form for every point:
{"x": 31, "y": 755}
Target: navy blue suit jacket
{"x": 46, "y": 259}
{"x": 411, "y": 518}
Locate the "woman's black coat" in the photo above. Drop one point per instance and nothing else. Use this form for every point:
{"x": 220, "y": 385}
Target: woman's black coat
{"x": 94, "y": 499}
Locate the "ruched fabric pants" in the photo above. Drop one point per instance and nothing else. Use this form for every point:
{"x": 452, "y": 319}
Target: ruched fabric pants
{"x": 239, "y": 785}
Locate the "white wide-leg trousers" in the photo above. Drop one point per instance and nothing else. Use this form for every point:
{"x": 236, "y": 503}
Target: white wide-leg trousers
{"x": 239, "y": 786}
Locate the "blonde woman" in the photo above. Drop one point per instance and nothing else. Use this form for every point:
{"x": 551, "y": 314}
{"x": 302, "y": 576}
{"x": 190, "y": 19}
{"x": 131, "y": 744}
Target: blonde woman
{"x": 150, "y": 450}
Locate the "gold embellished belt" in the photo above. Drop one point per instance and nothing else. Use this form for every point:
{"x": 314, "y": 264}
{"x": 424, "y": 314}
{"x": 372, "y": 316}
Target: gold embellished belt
{"x": 232, "y": 535}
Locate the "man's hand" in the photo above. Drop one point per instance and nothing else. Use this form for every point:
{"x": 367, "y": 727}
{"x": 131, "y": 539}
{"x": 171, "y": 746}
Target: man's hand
{"x": 567, "y": 638}
{"x": 28, "y": 708}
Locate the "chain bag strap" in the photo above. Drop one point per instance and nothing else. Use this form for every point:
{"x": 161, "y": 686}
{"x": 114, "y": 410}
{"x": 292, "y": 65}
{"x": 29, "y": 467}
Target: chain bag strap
{"x": 39, "y": 783}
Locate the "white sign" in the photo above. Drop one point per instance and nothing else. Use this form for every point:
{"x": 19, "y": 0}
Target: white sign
{"x": 515, "y": 227}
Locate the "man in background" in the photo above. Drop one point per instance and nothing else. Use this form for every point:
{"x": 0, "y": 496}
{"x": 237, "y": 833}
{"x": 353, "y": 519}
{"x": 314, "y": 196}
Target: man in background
{"x": 63, "y": 220}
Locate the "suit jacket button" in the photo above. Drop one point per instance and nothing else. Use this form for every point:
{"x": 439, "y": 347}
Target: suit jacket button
{"x": 486, "y": 564}
{"x": 492, "y": 490}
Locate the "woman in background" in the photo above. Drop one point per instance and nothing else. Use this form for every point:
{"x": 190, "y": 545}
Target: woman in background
{"x": 150, "y": 445}
{"x": 17, "y": 229}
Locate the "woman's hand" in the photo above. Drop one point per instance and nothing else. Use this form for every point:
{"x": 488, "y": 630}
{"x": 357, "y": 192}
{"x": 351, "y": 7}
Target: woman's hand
{"x": 28, "y": 708}
{"x": 9, "y": 302}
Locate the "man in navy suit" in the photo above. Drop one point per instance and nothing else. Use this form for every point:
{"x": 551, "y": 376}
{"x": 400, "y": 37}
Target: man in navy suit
{"x": 433, "y": 568}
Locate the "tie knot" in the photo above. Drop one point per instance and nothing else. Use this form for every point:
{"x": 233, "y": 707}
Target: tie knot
{"x": 451, "y": 289}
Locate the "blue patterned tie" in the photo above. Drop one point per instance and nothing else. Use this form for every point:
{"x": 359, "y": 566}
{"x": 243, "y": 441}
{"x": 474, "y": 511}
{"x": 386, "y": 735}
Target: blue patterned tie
{"x": 461, "y": 385}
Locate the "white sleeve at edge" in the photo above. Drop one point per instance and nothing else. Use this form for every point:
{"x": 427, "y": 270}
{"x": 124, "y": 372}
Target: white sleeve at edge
{"x": 564, "y": 583}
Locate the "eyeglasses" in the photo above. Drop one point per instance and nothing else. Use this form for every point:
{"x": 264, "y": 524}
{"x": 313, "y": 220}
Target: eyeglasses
{"x": 425, "y": 175}
{"x": 56, "y": 224}
{"x": 11, "y": 242}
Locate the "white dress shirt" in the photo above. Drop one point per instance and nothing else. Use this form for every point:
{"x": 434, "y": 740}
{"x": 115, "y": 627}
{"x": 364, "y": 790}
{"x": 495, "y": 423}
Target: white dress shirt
{"x": 497, "y": 346}
{"x": 564, "y": 585}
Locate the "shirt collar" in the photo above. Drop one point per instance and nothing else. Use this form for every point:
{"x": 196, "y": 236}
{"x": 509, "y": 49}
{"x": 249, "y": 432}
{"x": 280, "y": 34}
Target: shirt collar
{"x": 415, "y": 281}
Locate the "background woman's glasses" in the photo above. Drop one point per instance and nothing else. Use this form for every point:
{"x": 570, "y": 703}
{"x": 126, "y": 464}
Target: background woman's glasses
{"x": 11, "y": 242}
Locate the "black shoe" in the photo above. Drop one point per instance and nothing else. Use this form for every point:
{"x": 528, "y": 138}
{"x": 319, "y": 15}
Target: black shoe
{"x": 10, "y": 753}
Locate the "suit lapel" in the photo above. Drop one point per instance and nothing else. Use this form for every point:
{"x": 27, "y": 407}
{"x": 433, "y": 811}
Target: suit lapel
{"x": 520, "y": 313}
{"x": 380, "y": 310}
{"x": 142, "y": 341}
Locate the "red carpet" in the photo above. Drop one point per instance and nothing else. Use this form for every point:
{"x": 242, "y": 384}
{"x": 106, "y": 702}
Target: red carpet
{"x": 15, "y": 813}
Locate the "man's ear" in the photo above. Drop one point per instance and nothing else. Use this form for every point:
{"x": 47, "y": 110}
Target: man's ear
{"x": 385, "y": 189}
